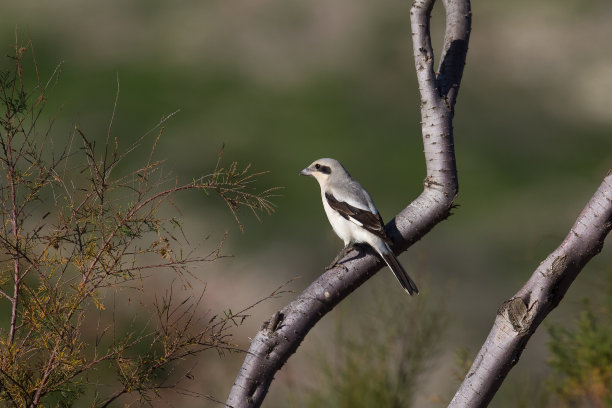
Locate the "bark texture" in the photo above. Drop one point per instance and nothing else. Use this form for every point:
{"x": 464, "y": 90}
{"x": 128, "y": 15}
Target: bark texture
{"x": 281, "y": 335}
{"x": 518, "y": 318}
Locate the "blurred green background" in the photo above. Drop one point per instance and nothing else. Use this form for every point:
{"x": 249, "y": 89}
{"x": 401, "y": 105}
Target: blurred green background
{"x": 283, "y": 82}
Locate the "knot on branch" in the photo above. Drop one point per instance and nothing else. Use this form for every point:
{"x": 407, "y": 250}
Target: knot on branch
{"x": 274, "y": 323}
{"x": 558, "y": 265}
{"x": 516, "y": 312}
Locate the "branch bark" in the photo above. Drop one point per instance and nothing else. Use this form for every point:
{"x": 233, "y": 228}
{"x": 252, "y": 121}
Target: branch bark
{"x": 281, "y": 335}
{"x": 518, "y": 318}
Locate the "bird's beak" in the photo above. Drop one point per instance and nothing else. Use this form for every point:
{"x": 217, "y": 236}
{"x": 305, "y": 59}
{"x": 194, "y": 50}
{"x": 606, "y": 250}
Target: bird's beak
{"x": 306, "y": 172}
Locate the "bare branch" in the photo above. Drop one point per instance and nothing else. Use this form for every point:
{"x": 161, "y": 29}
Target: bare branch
{"x": 518, "y": 318}
{"x": 420, "y": 17}
{"x": 456, "y": 38}
{"x": 280, "y": 336}
{"x": 443, "y": 85}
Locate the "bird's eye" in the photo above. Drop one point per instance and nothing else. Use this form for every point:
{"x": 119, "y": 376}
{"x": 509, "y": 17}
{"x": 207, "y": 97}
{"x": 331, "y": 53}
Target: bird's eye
{"x": 317, "y": 166}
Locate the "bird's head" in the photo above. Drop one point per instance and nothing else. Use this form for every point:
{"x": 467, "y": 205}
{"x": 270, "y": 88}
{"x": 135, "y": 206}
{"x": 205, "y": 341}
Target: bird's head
{"x": 323, "y": 169}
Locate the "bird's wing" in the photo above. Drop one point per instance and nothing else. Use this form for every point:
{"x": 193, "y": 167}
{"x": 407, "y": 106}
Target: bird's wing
{"x": 370, "y": 221}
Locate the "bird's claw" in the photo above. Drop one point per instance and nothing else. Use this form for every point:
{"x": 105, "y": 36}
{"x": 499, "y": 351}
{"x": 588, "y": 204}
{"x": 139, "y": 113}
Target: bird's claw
{"x": 333, "y": 265}
{"x": 338, "y": 257}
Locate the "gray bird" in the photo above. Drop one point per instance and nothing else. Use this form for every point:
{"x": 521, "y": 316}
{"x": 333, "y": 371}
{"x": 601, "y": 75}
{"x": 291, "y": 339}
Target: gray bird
{"x": 353, "y": 215}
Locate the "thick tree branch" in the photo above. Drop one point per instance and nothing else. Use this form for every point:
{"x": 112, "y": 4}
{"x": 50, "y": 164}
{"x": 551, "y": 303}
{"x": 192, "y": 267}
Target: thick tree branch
{"x": 280, "y": 336}
{"x": 518, "y": 318}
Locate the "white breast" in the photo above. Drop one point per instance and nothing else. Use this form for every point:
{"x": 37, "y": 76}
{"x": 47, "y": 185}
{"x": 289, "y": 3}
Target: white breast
{"x": 350, "y": 232}
{"x": 342, "y": 227}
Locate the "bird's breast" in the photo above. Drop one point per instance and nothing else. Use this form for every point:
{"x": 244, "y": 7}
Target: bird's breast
{"x": 341, "y": 226}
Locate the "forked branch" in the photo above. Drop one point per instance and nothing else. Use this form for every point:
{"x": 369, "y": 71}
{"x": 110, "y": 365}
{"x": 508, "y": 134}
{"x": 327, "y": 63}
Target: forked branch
{"x": 281, "y": 335}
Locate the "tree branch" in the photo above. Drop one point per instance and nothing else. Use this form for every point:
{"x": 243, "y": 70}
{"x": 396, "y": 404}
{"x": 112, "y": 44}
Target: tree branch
{"x": 281, "y": 335}
{"x": 518, "y": 318}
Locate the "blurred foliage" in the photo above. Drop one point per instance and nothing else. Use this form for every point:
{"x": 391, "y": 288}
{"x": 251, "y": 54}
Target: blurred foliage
{"x": 581, "y": 357}
{"x": 287, "y": 81}
{"x": 380, "y": 363}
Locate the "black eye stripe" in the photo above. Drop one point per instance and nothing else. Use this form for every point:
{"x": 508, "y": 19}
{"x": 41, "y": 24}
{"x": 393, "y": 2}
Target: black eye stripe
{"x": 324, "y": 169}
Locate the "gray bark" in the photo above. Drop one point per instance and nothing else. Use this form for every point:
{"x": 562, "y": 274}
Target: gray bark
{"x": 518, "y": 318}
{"x": 281, "y": 335}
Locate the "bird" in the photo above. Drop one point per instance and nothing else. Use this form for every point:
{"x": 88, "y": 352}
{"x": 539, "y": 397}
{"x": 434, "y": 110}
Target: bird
{"x": 353, "y": 215}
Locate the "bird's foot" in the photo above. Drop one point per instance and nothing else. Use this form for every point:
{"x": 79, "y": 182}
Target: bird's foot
{"x": 338, "y": 257}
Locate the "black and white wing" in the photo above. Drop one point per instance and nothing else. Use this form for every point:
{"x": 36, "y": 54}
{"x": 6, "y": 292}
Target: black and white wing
{"x": 370, "y": 221}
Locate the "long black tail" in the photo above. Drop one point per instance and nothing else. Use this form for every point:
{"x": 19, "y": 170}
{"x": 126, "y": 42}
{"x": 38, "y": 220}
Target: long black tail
{"x": 399, "y": 272}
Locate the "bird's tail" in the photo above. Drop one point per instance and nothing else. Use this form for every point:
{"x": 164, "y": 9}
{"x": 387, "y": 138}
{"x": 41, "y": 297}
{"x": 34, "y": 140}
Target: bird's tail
{"x": 398, "y": 270}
